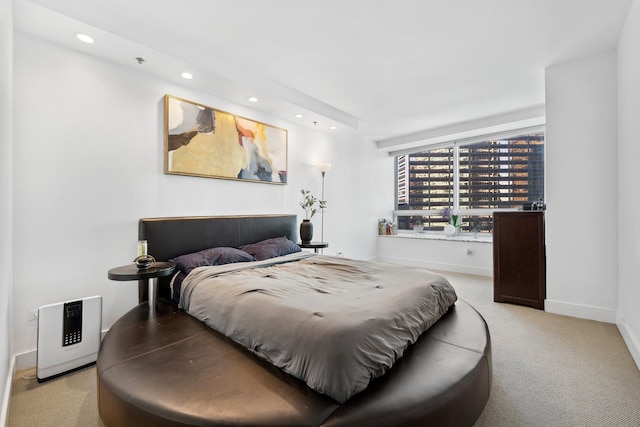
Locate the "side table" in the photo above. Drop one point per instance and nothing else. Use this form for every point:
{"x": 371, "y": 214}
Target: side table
{"x": 151, "y": 274}
{"x": 313, "y": 245}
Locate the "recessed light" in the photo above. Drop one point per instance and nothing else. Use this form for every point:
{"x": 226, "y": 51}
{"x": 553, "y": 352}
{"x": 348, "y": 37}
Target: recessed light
{"x": 332, "y": 127}
{"x": 299, "y": 115}
{"x": 187, "y": 76}
{"x": 252, "y": 99}
{"x": 84, "y": 38}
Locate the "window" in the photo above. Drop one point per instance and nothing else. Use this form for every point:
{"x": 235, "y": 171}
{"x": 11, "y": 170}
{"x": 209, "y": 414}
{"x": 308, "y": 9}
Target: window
{"x": 472, "y": 180}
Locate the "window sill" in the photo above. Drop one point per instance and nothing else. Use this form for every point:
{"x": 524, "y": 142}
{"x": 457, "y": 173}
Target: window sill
{"x": 464, "y": 237}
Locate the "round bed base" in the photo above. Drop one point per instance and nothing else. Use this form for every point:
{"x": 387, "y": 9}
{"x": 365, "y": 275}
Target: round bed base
{"x": 167, "y": 369}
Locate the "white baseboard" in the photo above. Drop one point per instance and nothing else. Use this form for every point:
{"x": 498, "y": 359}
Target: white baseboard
{"x": 454, "y": 268}
{"x": 633, "y": 344}
{"x": 581, "y": 311}
{"x": 4, "y": 414}
{"x": 26, "y": 360}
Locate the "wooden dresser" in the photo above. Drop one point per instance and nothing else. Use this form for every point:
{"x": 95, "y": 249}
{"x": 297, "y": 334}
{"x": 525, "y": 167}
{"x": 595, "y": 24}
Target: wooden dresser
{"x": 519, "y": 267}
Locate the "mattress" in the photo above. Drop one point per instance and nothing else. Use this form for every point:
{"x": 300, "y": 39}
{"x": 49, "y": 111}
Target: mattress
{"x": 334, "y": 323}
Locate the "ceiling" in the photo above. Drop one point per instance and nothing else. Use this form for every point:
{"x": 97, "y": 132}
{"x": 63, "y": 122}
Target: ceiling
{"x": 398, "y": 72}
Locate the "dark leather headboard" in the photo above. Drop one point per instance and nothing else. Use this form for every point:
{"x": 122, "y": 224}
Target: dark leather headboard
{"x": 174, "y": 236}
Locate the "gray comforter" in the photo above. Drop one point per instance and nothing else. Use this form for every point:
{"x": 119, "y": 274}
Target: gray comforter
{"x": 334, "y": 323}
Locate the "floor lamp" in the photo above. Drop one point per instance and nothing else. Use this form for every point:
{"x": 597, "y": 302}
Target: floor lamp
{"x": 323, "y": 168}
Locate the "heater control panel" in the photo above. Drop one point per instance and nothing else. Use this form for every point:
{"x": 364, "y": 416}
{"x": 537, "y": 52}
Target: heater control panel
{"x": 72, "y": 323}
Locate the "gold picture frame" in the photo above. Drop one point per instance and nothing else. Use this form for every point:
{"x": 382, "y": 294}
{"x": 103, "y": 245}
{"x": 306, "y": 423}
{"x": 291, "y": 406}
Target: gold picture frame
{"x": 206, "y": 142}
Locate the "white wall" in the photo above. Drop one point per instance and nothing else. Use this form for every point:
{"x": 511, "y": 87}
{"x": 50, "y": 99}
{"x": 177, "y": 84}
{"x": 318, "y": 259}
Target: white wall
{"x": 467, "y": 257}
{"x": 6, "y": 91}
{"x": 88, "y": 164}
{"x": 582, "y": 196}
{"x": 628, "y": 178}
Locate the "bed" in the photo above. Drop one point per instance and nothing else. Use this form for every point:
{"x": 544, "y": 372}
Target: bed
{"x": 165, "y": 367}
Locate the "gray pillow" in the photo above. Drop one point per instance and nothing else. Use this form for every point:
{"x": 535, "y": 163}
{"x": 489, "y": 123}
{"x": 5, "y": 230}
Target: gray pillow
{"x": 212, "y": 256}
{"x": 271, "y": 248}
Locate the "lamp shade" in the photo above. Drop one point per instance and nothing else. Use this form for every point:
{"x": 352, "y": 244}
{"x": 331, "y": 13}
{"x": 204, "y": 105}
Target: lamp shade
{"x": 323, "y": 167}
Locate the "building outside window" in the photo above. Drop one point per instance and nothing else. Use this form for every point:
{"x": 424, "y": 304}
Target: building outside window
{"x": 471, "y": 180}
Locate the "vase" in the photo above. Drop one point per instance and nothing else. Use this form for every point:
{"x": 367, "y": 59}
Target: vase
{"x": 306, "y": 231}
{"x": 450, "y": 230}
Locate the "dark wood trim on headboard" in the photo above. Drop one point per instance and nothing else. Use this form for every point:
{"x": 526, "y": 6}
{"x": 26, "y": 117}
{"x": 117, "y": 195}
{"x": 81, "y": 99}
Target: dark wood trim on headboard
{"x": 174, "y": 236}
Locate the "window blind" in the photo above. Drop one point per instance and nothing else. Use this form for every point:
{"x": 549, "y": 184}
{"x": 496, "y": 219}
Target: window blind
{"x": 492, "y": 174}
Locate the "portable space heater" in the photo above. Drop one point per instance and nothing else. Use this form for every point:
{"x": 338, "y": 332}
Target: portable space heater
{"x": 68, "y": 336}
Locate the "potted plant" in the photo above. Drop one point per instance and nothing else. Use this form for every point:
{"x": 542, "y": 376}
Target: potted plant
{"x": 310, "y": 204}
{"x": 454, "y": 222}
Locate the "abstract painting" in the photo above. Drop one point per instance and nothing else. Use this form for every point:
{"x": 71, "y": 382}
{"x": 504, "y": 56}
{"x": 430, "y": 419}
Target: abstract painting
{"x": 202, "y": 141}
